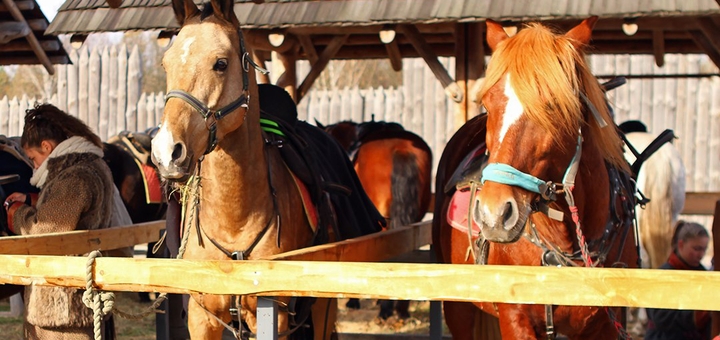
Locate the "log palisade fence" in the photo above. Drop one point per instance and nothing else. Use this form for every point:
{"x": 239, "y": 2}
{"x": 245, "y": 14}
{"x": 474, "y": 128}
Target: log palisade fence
{"x": 103, "y": 88}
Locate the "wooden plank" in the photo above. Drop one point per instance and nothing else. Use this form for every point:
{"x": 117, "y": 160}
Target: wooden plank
{"x": 574, "y": 286}
{"x": 82, "y": 241}
{"x": 423, "y": 48}
{"x": 700, "y": 203}
{"x": 369, "y": 248}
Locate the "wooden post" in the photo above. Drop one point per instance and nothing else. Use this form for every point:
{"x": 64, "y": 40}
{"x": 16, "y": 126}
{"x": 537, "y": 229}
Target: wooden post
{"x": 288, "y": 78}
{"x": 469, "y": 66}
{"x": 716, "y": 266}
{"x": 267, "y": 314}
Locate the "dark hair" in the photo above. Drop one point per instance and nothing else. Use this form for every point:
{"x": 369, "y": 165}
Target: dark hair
{"x": 47, "y": 122}
{"x": 687, "y": 230}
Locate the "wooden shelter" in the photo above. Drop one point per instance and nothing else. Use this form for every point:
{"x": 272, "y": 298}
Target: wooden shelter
{"x": 321, "y": 30}
{"x": 23, "y": 39}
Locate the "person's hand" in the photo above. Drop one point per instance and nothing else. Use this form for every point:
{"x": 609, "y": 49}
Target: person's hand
{"x": 14, "y": 197}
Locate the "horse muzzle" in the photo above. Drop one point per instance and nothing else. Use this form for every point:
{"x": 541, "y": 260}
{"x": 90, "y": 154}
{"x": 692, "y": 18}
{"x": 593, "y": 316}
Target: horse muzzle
{"x": 501, "y": 222}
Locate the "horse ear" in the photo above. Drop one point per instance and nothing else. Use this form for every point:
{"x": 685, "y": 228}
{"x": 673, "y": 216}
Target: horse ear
{"x": 495, "y": 33}
{"x": 581, "y": 33}
{"x": 225, "y": 9}
{"x": 184, "y": 9}
{"x": 318, "y": 124}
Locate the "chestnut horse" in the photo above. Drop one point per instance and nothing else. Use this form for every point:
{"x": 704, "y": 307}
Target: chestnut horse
{"x": 556, "y": 189}
{"x": 394, "y": 166}
{"x": 241, "y": 202}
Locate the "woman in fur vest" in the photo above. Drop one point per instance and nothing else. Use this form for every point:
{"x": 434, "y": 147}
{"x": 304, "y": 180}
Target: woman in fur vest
{"x": 76, "y": 193}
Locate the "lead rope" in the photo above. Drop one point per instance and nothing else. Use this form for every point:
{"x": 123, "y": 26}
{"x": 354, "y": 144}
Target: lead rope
{"x": 103, "y": 303}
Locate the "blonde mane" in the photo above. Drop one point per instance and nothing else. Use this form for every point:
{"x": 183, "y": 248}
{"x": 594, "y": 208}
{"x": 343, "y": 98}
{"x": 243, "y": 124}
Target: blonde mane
{"x": 548, "y": 72}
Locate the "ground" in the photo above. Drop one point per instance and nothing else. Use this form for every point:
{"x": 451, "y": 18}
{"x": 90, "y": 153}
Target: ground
{"x": 362, "y": 321}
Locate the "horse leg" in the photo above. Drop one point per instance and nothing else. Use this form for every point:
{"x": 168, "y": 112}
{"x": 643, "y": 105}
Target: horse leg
{"x": 353, "y": 303}
{"x": 386, "y": 309}
{"x": 515, "y": 322}
{"x": 460, "y": 319}
{"x": 201, "y": 324}
{"x": 324, "y": 315}
{"x": 401, "y": 307}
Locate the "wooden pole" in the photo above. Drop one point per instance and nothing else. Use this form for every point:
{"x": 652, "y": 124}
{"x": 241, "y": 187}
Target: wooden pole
{"x": 716, "y": 266}
{"x": 32, "y": 40}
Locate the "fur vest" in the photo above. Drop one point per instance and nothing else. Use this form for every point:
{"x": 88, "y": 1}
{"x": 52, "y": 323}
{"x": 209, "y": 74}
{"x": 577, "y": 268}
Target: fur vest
{"x": 77, "y": 194}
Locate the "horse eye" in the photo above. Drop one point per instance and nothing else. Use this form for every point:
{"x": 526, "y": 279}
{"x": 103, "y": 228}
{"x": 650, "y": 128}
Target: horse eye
{"x": 220, "y": 65}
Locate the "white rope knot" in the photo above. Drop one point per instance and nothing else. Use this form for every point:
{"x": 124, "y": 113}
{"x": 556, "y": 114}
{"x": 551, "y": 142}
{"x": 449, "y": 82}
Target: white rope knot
{"x": 101, "y": 303}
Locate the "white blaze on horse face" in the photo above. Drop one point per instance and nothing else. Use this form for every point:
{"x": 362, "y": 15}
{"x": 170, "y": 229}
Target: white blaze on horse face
{"x": 186, "y": 49}
{"x": 162, "y": 146}
{"x": 513, "y": 109}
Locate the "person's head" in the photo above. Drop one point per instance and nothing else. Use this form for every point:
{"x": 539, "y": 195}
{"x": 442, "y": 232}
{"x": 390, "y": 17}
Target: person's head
{"x": 46, "y": 126}
{"x": 690, "y": 242}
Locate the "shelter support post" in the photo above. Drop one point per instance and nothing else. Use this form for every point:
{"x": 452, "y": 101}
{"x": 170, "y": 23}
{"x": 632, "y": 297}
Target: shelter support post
{"x": 716, "y": 267}
{"x": 412, "y": 33}
{"x": 706, "y": 44}
{"x": 285, "y": 71}
{"x": 469, "y": 66}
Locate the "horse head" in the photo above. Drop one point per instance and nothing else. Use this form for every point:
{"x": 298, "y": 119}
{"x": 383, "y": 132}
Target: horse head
{"x": 208, "y": 83}
{"x": 538, "y": 93}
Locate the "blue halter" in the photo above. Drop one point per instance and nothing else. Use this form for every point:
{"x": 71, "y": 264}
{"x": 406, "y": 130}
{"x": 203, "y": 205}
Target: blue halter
{"x": 506, "y": 174}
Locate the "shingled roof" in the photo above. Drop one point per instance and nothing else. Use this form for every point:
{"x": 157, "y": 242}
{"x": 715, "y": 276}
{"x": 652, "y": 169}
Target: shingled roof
{"x": 23, "y": 39}
{"x": 84, "y": 16}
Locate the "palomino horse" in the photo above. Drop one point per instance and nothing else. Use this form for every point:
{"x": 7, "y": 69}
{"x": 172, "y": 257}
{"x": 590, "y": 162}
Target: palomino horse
{"x": 241, "y": 202}
{"x": 394, "y": 166}
{"x": 556, "y": 189}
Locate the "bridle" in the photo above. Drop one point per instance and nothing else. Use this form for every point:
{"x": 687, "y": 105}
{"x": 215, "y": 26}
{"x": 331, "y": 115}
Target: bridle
{"x": 210, "y": 116}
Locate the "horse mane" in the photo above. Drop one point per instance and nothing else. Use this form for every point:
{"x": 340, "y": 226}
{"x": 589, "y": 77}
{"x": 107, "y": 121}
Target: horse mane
{"x": 547, "y": 71}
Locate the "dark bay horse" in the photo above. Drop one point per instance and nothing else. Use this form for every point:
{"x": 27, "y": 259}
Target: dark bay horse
{"x": 394, "y": 166}
{"x": 241, "y": 201}
{"x": 545, "y": 183}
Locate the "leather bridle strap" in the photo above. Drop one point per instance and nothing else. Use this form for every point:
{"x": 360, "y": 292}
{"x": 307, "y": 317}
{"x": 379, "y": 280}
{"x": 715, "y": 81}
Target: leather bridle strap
{"x": 211, "y": 117}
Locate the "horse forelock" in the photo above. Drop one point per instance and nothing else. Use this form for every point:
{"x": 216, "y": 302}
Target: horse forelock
{"x": 547, "y": 71}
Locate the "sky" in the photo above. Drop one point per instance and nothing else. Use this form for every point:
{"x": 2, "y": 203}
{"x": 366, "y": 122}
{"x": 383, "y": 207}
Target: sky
{"x": 50, "y": 7}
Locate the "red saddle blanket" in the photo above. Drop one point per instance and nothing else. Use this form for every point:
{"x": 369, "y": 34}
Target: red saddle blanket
{"x": 457, "y": 215}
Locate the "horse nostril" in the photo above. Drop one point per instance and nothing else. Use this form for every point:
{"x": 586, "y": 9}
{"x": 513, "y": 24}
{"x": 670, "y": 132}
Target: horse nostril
{"x": 509, "y": 215}
{"x": 178, "y": 154}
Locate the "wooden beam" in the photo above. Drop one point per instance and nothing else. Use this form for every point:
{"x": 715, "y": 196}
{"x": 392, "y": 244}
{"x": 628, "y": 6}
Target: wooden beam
{"x": 317, "y": 67}
{"x": 19, "y": 60}
{"x": 82, "y": 241}
{"x": 394, "y": 55}
{"x": 659, "y": 47}
{"x": 370, "y": 248}
{"x": 38, "y": 24}
{"x": 14, "y": 10}
{"x": 12, "y": 30}
{"x": 706, "y": 45}
{"x": 710, "y": 30}
{"x": 308, "y": 48}
{"x": 575, "y": 286}
{"x": 114, "y": 3}
{"x": 448, "y": 27}
{"x": 22, "y": 5}
{"x": 421, "y": 46}
{"x": 20, "y": 46}
{"x": 259, "y": 41}
{"x": 288, "y": 78}
{"x": 700, "y": 203}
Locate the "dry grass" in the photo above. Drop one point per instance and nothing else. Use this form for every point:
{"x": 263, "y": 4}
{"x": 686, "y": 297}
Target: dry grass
{"x": 144, "y": 329}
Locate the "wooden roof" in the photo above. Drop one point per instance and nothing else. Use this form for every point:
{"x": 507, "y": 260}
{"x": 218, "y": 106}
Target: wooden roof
{"x": 23, "y": 39}
{"x": 683, "y": 26}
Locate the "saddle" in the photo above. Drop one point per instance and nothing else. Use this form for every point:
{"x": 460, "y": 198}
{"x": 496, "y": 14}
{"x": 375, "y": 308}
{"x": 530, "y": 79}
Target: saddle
{"x": 321, "y": 164}
{"x": 137, "y": 143}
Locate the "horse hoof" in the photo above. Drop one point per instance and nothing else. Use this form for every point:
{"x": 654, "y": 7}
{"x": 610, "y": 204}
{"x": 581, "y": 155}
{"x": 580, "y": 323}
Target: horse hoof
{"x": 402, "y": 315}
{"x": 353, "y": 304}
{"x": 384, "y": 315}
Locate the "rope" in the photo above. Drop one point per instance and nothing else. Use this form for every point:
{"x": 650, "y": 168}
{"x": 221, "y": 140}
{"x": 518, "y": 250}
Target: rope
{"x": 103, "y": 303}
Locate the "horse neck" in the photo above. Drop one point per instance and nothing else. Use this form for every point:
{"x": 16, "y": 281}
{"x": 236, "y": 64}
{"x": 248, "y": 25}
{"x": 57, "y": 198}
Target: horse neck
{"x": 234, "y": 177}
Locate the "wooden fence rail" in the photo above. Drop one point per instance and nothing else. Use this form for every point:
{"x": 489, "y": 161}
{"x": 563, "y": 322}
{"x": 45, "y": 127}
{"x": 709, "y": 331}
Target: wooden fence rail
{"x": 510, "y": 284}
